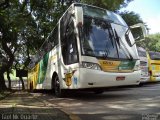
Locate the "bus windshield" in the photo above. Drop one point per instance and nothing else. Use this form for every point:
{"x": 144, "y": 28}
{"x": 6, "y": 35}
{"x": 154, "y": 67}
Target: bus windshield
{"x": 96, "y": 12}
{"x": 98, "y": 39}
{"x": 154, "y": 55}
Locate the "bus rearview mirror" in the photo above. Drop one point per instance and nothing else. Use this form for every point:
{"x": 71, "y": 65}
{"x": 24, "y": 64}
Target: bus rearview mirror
{"x": 139, "y": 31}
{"x": 79, "y": 15}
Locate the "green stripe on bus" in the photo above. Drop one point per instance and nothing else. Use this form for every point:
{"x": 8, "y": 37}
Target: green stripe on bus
{"x": 127, "y": 65}
{"x": 43, "y": 68}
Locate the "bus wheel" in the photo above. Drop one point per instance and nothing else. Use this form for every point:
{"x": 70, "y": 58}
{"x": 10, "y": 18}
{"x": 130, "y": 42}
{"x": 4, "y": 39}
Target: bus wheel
{"x": 58, "y": 91}
{"x": 140, "y": 84}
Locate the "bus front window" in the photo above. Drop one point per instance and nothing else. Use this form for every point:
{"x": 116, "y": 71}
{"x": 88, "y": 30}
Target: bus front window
{"x": 98, "y": 39}
{"x": 154, "y": 55}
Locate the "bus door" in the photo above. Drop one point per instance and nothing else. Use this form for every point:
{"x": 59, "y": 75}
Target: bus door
{"x": 69, "y": 50}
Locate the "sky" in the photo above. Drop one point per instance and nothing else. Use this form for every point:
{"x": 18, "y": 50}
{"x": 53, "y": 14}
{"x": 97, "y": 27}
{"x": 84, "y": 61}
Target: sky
{"x": 149, "y": 11}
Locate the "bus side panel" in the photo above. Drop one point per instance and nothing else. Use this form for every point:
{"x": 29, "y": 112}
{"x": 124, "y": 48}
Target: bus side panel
{"x": 51, "y": 68}
{"x": 69, "y": 78}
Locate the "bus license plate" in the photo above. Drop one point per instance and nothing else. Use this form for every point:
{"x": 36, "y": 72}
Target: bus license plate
{"x": 120, "y": 78}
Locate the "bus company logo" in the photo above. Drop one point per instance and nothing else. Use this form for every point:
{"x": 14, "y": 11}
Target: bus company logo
{"x": 107, "y": 63}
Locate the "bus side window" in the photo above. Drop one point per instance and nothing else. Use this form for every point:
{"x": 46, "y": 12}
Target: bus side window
{"x": 69, "y": 46}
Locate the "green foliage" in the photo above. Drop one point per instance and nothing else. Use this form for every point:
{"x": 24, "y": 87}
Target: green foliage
{"x": 131, "y": 18}
{"x": 151, "y": 43}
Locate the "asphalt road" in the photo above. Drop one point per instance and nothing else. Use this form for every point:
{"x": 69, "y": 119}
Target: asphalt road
{"x": 127, "y": 103}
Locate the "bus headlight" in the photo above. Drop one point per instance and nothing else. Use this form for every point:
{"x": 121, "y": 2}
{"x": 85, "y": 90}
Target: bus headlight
{"x": 90, "y": 65}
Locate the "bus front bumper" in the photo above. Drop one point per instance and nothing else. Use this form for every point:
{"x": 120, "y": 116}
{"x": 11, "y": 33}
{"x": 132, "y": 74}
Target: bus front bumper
{"x": 95, "y": 78}
{"x": 144, "y": 79}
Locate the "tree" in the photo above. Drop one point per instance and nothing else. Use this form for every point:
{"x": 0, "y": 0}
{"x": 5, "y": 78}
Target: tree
{"x": 12, "y": 21}
{"x": 25, "y": 25}
{"x": 4, "y": 40}
{"x": 131, "y": 18}
{"x": 151, "y": 43}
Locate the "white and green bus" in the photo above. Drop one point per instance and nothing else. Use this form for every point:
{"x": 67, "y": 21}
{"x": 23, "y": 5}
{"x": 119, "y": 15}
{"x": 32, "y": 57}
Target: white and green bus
{"x": 90, "y": 47}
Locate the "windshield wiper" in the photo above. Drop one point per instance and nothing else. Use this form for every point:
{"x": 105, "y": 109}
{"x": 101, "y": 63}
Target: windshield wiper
{"x": 127, "y": 37}
{"x": 117, "y": 38}
{"x": 111, "y": 38}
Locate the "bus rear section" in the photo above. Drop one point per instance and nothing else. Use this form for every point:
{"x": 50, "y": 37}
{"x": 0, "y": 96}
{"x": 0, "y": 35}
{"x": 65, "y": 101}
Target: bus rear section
{"x": 154, "y": 66}
{"x": 143, "y": 64}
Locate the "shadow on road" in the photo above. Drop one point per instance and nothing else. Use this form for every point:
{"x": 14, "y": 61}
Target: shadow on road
{"x": 110, "y": 93}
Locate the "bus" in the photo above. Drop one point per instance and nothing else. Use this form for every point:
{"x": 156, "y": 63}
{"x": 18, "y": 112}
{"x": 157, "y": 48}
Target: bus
{"x": 90, "y": 48}
{"x": 154, "y": 66}
{"x": 143, "y": 64}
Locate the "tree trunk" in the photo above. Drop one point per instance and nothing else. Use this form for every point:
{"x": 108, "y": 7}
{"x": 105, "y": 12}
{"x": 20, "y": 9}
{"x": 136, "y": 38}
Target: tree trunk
{"x": 5, "y": 67}
{"x": 2, "y": 82}
{"x": 9, "y": 80}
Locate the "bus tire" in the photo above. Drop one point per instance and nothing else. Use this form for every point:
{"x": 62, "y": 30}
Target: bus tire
{"x": 57, "y": 89}
{"x": 140, "y": 84}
